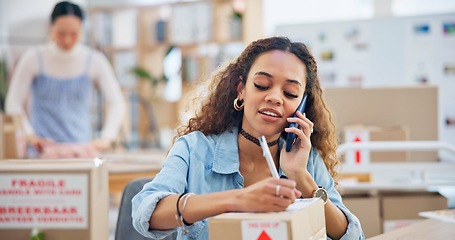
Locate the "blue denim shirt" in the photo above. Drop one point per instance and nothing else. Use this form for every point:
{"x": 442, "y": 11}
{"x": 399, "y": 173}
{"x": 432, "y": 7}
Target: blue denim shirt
{"x": 205, "y": 164}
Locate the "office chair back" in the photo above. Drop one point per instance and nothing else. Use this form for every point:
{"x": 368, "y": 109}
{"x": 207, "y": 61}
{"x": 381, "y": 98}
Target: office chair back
{"x": 125, "y": 229}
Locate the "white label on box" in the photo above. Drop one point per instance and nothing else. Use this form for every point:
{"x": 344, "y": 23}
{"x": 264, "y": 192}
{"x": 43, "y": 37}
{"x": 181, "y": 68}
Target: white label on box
{"x": 43, "y": 201}
{"x": 264, "y": 230}
{"x": 357, "y": 157}
{"x": 301, "y": 203}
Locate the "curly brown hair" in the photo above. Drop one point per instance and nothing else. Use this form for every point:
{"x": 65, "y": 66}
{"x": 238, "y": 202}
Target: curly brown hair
{"x": 218, "y": 115}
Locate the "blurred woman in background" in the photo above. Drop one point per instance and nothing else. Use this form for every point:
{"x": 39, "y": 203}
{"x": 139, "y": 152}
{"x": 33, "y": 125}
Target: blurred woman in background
{"x": 59, "y": 78}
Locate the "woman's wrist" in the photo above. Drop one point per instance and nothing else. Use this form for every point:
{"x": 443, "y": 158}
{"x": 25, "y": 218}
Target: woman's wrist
{"x": 305, "y": 183}
{"x": 231, "y": 203}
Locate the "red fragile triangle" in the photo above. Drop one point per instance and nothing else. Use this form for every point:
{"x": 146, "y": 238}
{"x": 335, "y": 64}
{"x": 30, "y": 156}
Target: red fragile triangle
{"x": 264, "y": 236}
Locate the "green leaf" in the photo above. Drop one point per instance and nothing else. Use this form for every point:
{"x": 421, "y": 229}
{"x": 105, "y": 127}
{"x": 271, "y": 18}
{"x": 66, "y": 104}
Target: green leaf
{"x": 3, "y": 81}
{"x": 143, "y": 74}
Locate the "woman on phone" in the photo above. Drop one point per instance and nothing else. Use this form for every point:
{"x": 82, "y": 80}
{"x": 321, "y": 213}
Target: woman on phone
{"x": 216, "y": 163}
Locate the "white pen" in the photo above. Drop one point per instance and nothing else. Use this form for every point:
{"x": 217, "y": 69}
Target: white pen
{"x": 268, "y": 156}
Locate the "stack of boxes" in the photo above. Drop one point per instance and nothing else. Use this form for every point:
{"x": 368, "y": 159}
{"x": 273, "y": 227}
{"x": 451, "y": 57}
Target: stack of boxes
{"x": 386, "y": 114}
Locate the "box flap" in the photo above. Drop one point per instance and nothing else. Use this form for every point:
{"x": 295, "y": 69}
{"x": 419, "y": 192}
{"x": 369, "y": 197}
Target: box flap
{"x": 298, "y": 206}
{"x": 50, "y": 165}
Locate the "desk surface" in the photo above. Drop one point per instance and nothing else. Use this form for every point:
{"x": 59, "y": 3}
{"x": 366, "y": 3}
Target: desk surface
{"x": 428, "y": 229}
{"x": 134, "y": 162}
{"x": 407, "y": 186}
{"x": 127, "y": 166}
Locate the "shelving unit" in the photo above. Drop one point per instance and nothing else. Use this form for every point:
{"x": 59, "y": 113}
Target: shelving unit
{"x": 402, "y": 176}
{"x": 205, "y": 31}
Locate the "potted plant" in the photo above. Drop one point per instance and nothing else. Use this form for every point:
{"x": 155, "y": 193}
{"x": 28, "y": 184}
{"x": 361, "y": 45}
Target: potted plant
{"x": 3, "y": 83}
{"x": 145, "y": 99}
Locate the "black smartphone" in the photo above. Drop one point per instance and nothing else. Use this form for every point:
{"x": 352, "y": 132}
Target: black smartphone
{"x": 291, "y": 136}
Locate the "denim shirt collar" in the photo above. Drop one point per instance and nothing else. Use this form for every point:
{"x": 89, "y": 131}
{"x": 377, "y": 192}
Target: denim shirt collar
{"x": 226, "y": 159}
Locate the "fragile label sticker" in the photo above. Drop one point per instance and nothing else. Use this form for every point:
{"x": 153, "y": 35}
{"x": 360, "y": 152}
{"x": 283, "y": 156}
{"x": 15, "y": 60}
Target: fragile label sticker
{"x": 264, "y": 230}
{"x": 357, "y": 156}
{"x": 43, "y": 201}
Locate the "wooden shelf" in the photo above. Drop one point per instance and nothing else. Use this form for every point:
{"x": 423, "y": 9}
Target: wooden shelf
{"x": 151, "y": 52}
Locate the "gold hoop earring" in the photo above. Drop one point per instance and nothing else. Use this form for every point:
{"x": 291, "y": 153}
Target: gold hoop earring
{"x": 236, "y": 104}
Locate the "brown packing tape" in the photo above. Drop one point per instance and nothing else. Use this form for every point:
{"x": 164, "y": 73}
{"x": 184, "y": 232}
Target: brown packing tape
{"x": 360, "y": 177}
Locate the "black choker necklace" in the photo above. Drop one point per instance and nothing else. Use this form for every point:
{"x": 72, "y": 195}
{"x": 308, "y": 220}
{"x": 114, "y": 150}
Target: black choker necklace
{"x": 255, "y": 140}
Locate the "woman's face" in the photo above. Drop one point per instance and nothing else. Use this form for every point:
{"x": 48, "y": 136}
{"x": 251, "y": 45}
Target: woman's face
{"x": 66, "y": 31}
{"x": 273, "y": 90}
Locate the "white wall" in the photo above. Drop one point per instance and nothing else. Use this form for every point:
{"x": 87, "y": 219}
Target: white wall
{"x": 284, "y": 12}
{"x": 2, "y": 26}
{"x": 25, "y": 23}
{"x": 421, "y": 7}
{"x": 27, "y": 20}
{"x": 129, "y": 2}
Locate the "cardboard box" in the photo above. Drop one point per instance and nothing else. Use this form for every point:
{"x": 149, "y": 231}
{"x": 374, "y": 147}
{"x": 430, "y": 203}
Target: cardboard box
{"x": 367, "y": 209}
{"x": 415, "y": 107}
{"x": 65, "y": 199}
{"x": 402, "y": 210}
{"x": 13, "y": 138}
{"x": 360, "y": 133}
{"x": 302, "y": 220}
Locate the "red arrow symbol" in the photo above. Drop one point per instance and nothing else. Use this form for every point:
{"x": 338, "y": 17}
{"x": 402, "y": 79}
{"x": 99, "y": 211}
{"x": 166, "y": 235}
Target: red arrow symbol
{"x": 264, "y": 236}
{"x": 357, "y": 152}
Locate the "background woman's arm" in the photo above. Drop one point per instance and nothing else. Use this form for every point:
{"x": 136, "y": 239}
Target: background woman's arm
{"x": 19, "y": 89}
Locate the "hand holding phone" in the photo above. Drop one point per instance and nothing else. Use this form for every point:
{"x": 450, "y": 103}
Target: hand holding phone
{"x": 290, "y": 139}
